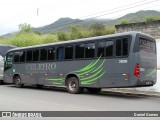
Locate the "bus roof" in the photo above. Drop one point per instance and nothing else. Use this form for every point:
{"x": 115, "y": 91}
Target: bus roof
{"x": 6, "y": 45}
{"x": 133, "y": 33}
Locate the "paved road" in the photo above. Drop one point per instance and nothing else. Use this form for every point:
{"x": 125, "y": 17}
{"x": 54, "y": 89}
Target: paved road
{"x": 34, "y": 99}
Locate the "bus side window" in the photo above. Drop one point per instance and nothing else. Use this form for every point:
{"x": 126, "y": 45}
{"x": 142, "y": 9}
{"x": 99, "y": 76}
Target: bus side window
{"x": 101, "y": 48}
{"x": 90, "y": 50}
{"x": 109, "y": 48}
{"x": 69, "y": 52}
{"x": 51, "y": 53}
{"x": 122, "y": 47}
{"x": 16, "y": 57}
{"x": 43, "y": 55}
{"x": 22, "y": 56}
{"x": 125, "y": 47}
{"x": 79, "y": 53}
{"x": 60, "y": 53}
{"x": 29, "y": 56}
{"x": 118, "y": 47}
{"x": 35, "y": 54}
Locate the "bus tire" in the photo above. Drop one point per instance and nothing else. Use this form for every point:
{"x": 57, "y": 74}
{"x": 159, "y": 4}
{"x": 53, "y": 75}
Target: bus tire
{"x": 1, "y": 82}
{"x": 39, "y": 86}
{"x": 73, "y": 86}
{"x": 94, "y": 90}
{"x": 18, "y": 81}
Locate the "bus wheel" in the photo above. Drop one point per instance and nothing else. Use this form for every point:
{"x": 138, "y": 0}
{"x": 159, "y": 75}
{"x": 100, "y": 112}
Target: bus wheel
{"x": 73, "y": 85}
{"x": 94, "y": 90}
{"x": 1, "y": 82}
{"x": 18, "y": 82}
{"x": 39, "y": 86}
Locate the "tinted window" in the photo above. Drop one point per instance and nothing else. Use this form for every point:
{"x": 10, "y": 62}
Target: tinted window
{"x": 118, "y": 47}
{"x": 109, "y": 48}
{"x": 68, "y": 52}
{"x": 79, "y": 51}
{"x": 43, "y": 56}
{"x": 101, "y": 48}
{"x": 51, "y": 53}
{"x": 22, "y": 56}
{"x": 36, "y": 55}
{"x": 125, "y": 47}
{"x": 16, "y": 57}
{"x": 89, "y": 50}
{"x": 122, "y": 47}
{"x": 29, "y": 55}
{"x": 60, "y": 53}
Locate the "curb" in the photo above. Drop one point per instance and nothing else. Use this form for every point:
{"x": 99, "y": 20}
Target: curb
{"x": 131, "y": 92}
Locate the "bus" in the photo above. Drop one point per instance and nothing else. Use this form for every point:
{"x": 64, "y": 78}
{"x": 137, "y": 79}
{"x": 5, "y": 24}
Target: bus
{"x": 3, "y": 51}
{"x": 111, "y": 61}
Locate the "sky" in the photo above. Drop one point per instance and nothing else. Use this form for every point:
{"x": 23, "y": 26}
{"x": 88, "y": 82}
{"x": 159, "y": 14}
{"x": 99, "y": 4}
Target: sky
{"x": 43, "y": 12}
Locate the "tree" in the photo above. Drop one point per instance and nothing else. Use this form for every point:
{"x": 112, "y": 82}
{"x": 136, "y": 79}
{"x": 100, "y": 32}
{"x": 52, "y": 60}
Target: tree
{"x": 26, "y": 28}
{"x": 97, "y": 28}
{"x": 75, "y": 32}
{"x": 62, "y": 36}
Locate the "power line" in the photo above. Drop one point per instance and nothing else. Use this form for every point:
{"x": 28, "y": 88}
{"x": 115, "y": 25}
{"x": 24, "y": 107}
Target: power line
{"x": 112, "y": 9}
{"x": 68, "y": 23}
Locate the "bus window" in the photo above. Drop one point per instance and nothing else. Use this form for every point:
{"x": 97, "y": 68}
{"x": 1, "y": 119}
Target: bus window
{"x": 35, "y": 54}
{"x": 22, "y": 56}
{"x": 69, "y": 52}
{"x": 16, "y": 57}
{"x": 109, "y": 48}
{"x": 29, "y": 56}
{"x": 118, "y": 47}
{"x": 8, "y": 60}
{"x": 122, "y": 47}
{"x": 89, "y": 50}
{"x": 101, "y": 48}
{"x": 43, "y": 55}
{"x": 125, "y": 47}
{"x": 79, "y": 51}
{"x": 51, "y": 53}
{"x": 147, "y": 45}
{"x": 60, "y": 53}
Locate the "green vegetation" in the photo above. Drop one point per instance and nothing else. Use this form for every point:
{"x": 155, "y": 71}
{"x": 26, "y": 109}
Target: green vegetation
{"x": 26, "y": 37}
{"x": 124, "y": 22}
{"x": 151, "y": 19}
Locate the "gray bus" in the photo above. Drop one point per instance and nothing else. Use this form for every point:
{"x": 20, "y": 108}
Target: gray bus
{"x": 3, "y": 51}
{"x": 111, "y": 61}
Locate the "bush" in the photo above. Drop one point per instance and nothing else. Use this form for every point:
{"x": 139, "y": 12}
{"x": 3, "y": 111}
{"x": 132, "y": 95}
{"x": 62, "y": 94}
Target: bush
{"x": 124, "y": 22}
{"x": 30, "y": 39}
{"x": 62, "y": 36}
{"x": 151, "y": 19}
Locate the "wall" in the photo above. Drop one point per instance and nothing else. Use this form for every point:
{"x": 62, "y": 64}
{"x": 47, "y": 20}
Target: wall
{"x": 152, "y": 28}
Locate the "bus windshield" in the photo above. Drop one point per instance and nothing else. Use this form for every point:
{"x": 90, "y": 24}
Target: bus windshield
{"x": 147, "y": 45}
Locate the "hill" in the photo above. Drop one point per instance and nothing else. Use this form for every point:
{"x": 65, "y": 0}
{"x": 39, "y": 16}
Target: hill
{"x": 62, "y": 24}
{"x": 139, "y": 16}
